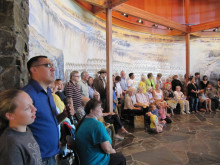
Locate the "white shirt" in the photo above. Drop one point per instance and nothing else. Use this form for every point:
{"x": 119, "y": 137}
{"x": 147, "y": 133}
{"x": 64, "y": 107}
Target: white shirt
{"x": 118, "y": 89}
{"x": 131, "y": 83}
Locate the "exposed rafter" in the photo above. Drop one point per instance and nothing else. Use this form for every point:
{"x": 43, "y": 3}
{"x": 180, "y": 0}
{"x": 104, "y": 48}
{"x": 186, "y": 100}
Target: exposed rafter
{"x": 100, "y": 3}
{"x": 133, "y": 11}
{"x": 204, "y": 26}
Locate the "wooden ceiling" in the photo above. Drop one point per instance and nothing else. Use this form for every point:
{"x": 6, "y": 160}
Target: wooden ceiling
{"x": 172, "y": 17}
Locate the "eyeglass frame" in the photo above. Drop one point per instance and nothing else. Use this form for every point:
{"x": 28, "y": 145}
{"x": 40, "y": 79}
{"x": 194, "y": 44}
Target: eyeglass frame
{"x": 47, "y": 65}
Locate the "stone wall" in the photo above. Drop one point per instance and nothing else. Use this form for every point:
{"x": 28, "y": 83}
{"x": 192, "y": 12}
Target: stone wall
{"x": 13, "y": 43}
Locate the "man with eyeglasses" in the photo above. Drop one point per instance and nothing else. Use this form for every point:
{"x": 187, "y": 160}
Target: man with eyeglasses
{"x": 45, "y": 126}
{"x": 72, "y": 90}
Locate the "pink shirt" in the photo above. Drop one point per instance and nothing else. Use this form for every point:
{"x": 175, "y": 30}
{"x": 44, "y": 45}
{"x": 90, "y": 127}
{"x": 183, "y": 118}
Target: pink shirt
{"x": 162, "y": 113}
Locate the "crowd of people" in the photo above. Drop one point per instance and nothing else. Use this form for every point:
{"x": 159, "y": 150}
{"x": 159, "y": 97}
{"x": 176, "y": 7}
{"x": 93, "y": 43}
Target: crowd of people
{"x": 30, "y": 118}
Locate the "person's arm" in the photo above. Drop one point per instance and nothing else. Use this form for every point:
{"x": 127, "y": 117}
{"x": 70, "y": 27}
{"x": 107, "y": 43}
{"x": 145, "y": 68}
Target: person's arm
{"x": 107, "y": 147}
{"x": 60, "y": 117}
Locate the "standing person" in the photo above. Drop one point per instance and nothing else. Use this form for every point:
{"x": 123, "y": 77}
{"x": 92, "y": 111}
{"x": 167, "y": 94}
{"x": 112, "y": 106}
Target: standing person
{"x": 100, "y": 86}
{"x": 131, "y": 83}
{"x": 118, "y": 88}
{"x": 158, "y": 80}
{"x": 143, "y": 84}
{"x": 93, "y": 141}
{"x": 59, "y": 92}
{"x": 17, "y": 144}
{"x": 150, "y": 81}
{"x": 176, "y": 82}
{"x": 124, "y": 84}
{"x": 82, "y": 84}
{"x": 91, "y": 87}
{"x": 47, "y": 119}
{"x": 197, "y": 79}
{"x": 193, "y": 93}
{"x": 72, "y": 90}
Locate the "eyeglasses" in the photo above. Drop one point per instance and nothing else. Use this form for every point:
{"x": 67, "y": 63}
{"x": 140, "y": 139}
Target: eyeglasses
{"x": 48, "y": 65}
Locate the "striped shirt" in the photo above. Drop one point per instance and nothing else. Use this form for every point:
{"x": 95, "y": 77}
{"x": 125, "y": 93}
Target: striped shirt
{"x": 72, "y": 90}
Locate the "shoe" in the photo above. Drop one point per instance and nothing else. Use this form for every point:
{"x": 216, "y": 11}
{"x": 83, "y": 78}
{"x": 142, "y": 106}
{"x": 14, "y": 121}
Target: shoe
{"x": 117, "y": 137}
{"x": 188, "y": 112}
{"x": 183, "y": 113}
{"x": 217, "y": 110}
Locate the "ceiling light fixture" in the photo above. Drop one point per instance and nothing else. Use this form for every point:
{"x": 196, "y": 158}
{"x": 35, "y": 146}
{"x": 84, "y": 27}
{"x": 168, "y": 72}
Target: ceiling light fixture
{"x": 155, "y": 25}
{"x": 140, "y": 21}
{"x": 124, "y": 14}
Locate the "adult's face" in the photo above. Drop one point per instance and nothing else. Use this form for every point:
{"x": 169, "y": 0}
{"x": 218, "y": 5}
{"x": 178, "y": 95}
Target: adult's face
{"x": 86, "y": 76}
{"x": 43, "y": 71}
{"x": 97, "y": 112}
{"x": 75, "y": 77}
{"x": 103, "y": 75}
{"x": 123, "y": 74}
{"x": 90, "y": 81}
{"x": 60, "y": 85}
{"x": 132, "y": 77}
{"x": 193, "y": 80}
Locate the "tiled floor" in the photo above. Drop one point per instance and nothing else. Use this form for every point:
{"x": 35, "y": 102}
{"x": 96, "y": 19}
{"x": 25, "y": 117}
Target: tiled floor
{"x": 191, "y": 139}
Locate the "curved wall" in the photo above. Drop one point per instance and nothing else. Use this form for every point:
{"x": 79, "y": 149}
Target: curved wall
{"x": 75, "y": 40}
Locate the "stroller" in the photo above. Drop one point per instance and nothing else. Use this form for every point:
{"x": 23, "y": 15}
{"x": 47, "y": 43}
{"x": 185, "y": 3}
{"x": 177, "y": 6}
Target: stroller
{"x": 68, "y": 153}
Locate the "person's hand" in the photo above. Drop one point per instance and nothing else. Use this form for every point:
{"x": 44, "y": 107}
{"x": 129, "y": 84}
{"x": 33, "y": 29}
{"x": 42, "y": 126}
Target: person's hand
{"x": 72, "y": 111}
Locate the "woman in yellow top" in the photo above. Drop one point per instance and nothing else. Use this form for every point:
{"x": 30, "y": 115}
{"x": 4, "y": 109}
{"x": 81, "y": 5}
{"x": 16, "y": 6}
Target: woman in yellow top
{"x": 150, "y": 81}
{"x": 143, "y": 84}
{"x": 58, "y": 102}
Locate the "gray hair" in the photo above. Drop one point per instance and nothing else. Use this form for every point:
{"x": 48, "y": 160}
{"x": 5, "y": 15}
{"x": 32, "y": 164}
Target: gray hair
{"x": 83, "y": 73}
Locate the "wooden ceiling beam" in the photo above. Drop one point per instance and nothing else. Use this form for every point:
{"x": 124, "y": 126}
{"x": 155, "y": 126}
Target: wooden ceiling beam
{"x": 135, "y": 12}
{"x": 100, "y": 3}
{"x": 204, "y": 26}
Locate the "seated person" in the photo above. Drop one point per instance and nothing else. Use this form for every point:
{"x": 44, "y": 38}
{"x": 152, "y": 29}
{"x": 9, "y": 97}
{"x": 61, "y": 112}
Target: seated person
{"x": 212, "y": 94}
{"x": 92, "y": 140}
{"x": 203, "y": 100}
{"x": 112, "y": 118}
{"x": 153, "y": 109}
{"x": 158, "y": 95}
{"x": 17, "y": 144}
{"x": 149, "y": 95}
{"x": 181, "y": 99}
{"x": 80, "y": 112}
{"x": 59, "y": 86}
{"x": 129, "y": 105}
{"x": 163, "y": 113}
{"x": 169, "y": 97}
{"x": 154, "y": 123}
{"x": 141, "y": 98}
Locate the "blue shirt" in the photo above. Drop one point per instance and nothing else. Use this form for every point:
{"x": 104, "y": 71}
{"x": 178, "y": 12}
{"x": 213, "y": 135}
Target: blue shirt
{"x": 124, "y": 84}
{"x": 45, "y": 126}
{"x": 155, "y": 112}
{"x": 114, "y": 98}
{"x": 88, "y": 138}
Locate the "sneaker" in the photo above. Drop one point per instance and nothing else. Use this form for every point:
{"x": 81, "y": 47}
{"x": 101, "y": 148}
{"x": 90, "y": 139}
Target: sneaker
{"x": 117, "y": 137}
{"x": 188, "y": 112}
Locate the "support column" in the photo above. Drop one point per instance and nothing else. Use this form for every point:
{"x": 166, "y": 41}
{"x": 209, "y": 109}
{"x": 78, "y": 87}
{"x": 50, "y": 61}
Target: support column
{"x": 187, "y": 56}
{"x": 109, "y": 87}
{"x": 14, "y": 15}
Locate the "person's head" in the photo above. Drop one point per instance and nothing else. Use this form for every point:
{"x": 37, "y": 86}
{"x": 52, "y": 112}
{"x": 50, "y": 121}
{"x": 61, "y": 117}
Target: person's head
{"x": 143, "y": 78}
{"x": 41, "y": 69}
{"x": 94, "y": 108}
{"x": 159, "y": 75}
{"x": 140, "y": 89}
{"x": 192, "y": 80}
{"x": 117, "y": 79}
{"x": 157, "y": 86}
{"x": 90, "y": 81}
{"x": 96, "y": 96}
{"x": 74, "y": 76}
{"x": 84, "y": 101}
{"x": 149, "y": 89}
{"x": 209, "y": 86}
{"x": 168, "y": 80}
{"x": 123, "y": 75}
{"x": 131, "y": 91}
{"x": 113, "y": 78}
{"x": 53, "y": 87}
{"x": 205, "y": 78}
{"x": 175, "y": 77}
{"x": 85, "y": 76}
{"x": 59, "y": 84}
{"x": 131, "y": 76}
{"x": 102, "y": 73}
{"x": 152, "y": 107}
{"x": 16, "y": 109}
{"x": 149, "y": 113}
{"x": 178, "y": 88}
{"x": 149, "y": 75}
{"x": 197, "y": 75}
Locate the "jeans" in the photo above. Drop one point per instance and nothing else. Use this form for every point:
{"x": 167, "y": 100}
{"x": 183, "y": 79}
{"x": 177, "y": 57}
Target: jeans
{"x": 194, "y": 101}
{"x": 49, "y": 161}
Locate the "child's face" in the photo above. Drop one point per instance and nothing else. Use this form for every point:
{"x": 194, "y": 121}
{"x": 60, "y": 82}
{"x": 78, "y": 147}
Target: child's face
{"x": 153, "y": 108}
{"x": 178, "y": 88}
{"x": 25, "y": 113}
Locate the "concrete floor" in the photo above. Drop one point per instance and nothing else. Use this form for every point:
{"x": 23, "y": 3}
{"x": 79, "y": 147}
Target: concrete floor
{"x": 191, "y": 139}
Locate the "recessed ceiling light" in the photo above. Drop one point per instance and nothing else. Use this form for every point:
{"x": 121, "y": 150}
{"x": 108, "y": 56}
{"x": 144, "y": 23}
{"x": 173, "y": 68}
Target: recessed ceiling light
{"x": 155, "y": 25}
{"x": 140, "y": 21}
{"x": 124, "y": 14}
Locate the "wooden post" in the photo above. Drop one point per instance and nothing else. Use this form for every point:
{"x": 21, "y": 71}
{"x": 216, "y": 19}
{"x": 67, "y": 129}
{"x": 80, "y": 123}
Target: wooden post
{"x": 109, "y": 88}
{"x": 187, "y": 4}
{"x": 187, "y": 56}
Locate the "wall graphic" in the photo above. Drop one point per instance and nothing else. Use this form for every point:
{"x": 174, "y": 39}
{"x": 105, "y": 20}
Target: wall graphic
{"x": 75, "y": 39}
